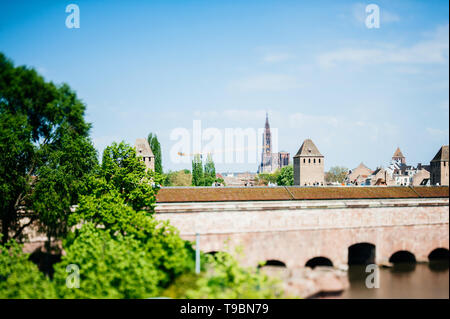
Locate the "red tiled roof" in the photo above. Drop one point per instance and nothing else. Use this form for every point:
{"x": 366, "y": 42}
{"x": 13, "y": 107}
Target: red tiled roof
{"x": 225, "y": 194}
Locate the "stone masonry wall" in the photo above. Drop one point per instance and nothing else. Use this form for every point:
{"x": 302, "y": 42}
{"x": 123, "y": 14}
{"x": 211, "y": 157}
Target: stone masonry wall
{"x": 293, "y": 235}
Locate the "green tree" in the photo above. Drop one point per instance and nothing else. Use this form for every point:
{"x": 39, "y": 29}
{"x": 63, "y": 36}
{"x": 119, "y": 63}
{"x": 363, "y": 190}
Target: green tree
{"x": 123, "y": 172}
{"x": 223, "y": 278}
{"x": 266, "y": 178}
{"x": 210, "y": 171}
{"x": 121, "y": 201}
{"x": 19, "y": 277}
{"x": 45, "y": 152}
{"x": 286, "y": 176}
{"x": 179, "y": 178}
{"x": 156, "y": 149}
{"x": 336, "y": 174}
{"x": 197, "y": 171}
{"x": 109, "y": 267}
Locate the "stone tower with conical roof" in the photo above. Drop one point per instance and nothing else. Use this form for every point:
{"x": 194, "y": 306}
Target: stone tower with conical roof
{"x": 439, "y": 170}
{"x": 309, "y": 165}
{"x": 399, "y": 157}
{"x": 143, "y": 150}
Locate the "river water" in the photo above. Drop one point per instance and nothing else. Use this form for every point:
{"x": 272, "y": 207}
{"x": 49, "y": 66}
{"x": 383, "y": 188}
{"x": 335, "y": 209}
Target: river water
{"x": 422, "y": 280}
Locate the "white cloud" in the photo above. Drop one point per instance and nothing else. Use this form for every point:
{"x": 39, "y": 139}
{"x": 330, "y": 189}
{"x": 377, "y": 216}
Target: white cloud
{"x": 437, "y": 132}
{"x": 300, "y": 120}
{"x": 328, "y": 129}
{"x": 276, "y": 57}
{"x": 267, "y": 82}
{"x": 231, "y": 115}
{"x": 435, "y": 49}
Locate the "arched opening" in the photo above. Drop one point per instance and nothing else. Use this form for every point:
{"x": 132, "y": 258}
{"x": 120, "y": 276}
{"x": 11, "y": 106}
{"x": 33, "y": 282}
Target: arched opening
{"x": 403, "y": 261}
{"x": 439, "y": 259}
{"x": 318, "y": 261}
{"x": 361, "y": 254}
{"x": 212, "y": 254}
{"x": 439, "y": 254}
{"x": 402, "y": 256}
{"x": 273, "y": 263}
{"x": 274, "y": 268}
{"x": 45, "y": 260}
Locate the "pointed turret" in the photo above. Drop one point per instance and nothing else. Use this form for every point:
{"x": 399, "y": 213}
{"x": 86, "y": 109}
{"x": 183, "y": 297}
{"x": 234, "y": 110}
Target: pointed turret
{"x": 308, "y": 165}
{"x": 398, "y": 156}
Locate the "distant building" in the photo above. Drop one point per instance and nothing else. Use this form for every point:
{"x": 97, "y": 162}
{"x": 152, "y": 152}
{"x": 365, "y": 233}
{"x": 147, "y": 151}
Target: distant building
{"x": 380, "y": 177}
{"x": 398, "y": 156}
{"x": 358, "y": 175}
{"x": 239, "y": 179}
{"x": 402, "y": 174}
{"x": 270, "y": 162}
{"x": 143, "y": 150}
{"x": 283, "y": 159}
{"x": 422, "y": 177}
{"x": 396, "y": 173}
{"x": 308, "y": 165}
{"x": 439, "y": 167}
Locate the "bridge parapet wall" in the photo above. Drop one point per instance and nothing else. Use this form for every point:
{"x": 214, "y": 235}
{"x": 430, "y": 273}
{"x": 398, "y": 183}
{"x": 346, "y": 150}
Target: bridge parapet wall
{"x": 296, "y": 231}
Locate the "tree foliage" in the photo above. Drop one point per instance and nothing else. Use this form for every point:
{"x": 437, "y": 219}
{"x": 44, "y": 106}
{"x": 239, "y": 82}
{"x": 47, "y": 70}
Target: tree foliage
{"x": 156, "y": 149}
{"x": 19, "y": 277}
{"x": 178, "y": 178}
{"x": 197, "y": 171}
{"x": 210, "y": 171}
{"x": 286, "y": 176}
{"x": 109, "y": 267}
{"x": 121, "y": 202}
{"x": 336, "y": 174}
{"x": 224, "y": 278}
{"x": 266, "y": 178}
{"x": 45, "y": 150}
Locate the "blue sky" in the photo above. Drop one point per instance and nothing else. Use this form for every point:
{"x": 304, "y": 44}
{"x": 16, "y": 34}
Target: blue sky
{"x": 153, "y": 66}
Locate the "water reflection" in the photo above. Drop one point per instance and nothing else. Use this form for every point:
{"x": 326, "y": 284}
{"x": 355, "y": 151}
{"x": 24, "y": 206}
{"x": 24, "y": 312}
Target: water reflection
{"x": 404, "y": 280}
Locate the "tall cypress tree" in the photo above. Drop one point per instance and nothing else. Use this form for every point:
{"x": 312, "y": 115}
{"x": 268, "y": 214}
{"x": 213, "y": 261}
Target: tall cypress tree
{"x": 197, "y": 171}
{"x": 210, "y": 171}
{"x": 156, "y": 149}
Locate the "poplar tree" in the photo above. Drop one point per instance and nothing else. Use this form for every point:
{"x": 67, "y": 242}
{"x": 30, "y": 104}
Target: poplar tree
{"x": 197, "y": 171}
{"x": 156, "y": 149}
{"x": 210, "y": 171}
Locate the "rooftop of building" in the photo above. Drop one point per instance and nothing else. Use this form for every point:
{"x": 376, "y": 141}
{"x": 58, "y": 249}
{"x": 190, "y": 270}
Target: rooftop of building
{"x": 442, "y": 154}
{"x": 227, "y": 194}
{"x": 308, "y": 148}
{"x": 398, "y": 153}
{"x": 143, "y": 148}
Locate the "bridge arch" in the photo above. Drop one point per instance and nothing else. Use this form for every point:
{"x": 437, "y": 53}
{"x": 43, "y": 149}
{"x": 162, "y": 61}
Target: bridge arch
{"x": 441, "y": 254}
{"x": 361, "y": 254}
{"x": 402, "y": 256}
{"x": 274, "y": 263}
{"x": 319, "y": 261}
{"x": 212, "y": 252}
{"x": 439, "y": 259}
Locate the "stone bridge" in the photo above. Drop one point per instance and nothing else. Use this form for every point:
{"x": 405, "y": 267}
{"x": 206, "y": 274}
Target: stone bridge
{"x": 299, "y": 226}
